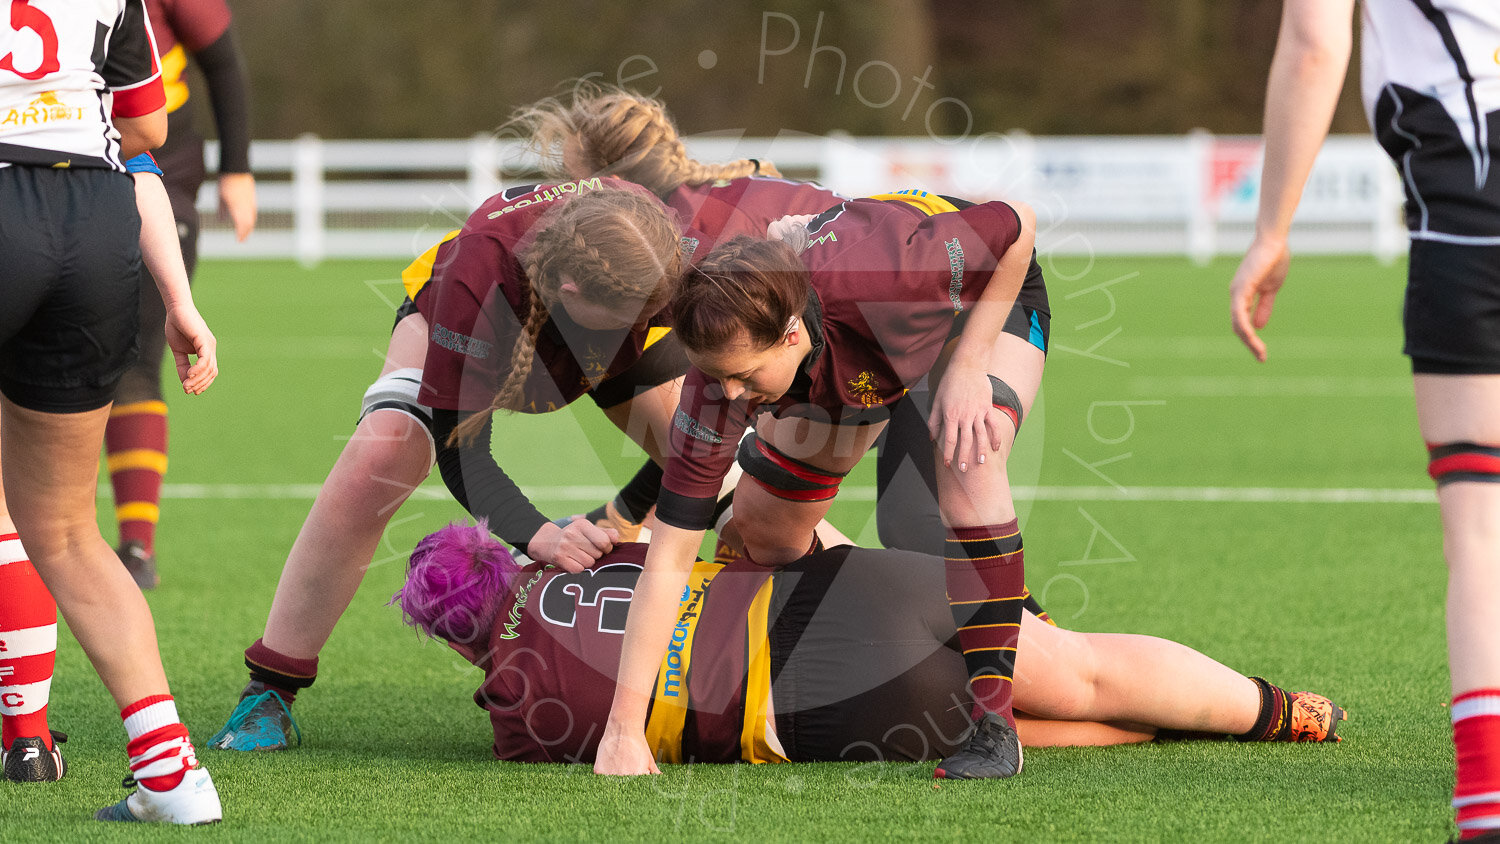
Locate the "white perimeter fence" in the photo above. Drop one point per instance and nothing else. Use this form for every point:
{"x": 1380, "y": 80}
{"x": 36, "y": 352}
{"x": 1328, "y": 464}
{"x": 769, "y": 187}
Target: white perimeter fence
{"x": 1191, "y": 195}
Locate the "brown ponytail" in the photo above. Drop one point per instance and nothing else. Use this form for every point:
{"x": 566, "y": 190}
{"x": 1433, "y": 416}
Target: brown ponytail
{"x": 745, "y": 285}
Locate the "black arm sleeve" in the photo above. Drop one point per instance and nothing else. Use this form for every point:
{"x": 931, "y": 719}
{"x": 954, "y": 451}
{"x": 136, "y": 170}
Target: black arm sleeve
{"x": 481, "y": 486}
{"x": 224, "y": 69}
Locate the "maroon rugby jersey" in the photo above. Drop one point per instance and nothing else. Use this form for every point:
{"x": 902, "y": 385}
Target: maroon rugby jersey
{"x": 888, "y": 282}
{"x": 725, "y": 208}
{"x": 552, "y": 654}
{"x": 478, "y": 299}
{"x": 194, "y": 24}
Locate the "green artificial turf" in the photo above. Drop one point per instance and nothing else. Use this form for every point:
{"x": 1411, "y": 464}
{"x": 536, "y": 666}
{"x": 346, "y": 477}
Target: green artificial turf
{"x": 1146, "y": 390}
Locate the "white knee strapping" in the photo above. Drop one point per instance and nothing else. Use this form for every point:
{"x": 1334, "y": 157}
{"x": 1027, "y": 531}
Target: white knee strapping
{"x": 397, "y": 390}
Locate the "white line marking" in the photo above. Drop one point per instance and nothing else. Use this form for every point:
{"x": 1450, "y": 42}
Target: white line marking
{"x": 1178, "y": 494}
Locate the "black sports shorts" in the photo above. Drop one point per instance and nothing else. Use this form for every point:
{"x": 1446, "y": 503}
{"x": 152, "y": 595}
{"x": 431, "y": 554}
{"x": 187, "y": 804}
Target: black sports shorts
{"x": 1452, "y": 312}
{"x": 70, "y": 258}
{"x": 864, "y": 660}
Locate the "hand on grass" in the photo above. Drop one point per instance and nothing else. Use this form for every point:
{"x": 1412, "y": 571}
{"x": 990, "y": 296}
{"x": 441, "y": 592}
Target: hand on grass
{"x": 624, "y": 752}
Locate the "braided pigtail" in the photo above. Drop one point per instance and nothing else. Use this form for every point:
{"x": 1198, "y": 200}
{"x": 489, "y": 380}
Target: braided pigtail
{"x": 510, "y": 396}
{"x": 618, "y": 247}
{"x": 697, "y": 173}
{"x": 607, "y": 131}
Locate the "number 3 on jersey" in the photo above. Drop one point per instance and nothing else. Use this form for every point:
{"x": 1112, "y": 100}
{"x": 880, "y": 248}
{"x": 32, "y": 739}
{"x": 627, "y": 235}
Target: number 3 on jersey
{"x": 608, "y": 587}
{"x": 26, "y": 17}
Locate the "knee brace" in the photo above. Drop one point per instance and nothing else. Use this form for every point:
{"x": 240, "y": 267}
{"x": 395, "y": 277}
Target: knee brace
{"x": 785, "y": 477}
{"x": 1006, "y": 401}
{"x": 397, "y": 391}
{"x": 1451, "y": 462}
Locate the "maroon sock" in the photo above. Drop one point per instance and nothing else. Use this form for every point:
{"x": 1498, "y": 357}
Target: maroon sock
{"x": 288, "y": 675}
{"x": 986, "y": 583}
{"x": 135, "y": 444}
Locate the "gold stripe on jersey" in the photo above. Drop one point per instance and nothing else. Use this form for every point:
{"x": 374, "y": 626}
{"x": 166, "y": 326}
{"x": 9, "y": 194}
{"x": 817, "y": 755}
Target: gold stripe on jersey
{"x": 927, "y": 203}
{"x": 419, "y": 272}
{"x": 172, "y": 66}
{"x": 754, "y": 746}
{"x": 668, "y": 716}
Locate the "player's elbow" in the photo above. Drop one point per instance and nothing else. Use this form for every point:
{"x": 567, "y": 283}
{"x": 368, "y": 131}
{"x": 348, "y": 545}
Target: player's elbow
{"x": 1314, "y": 46}
{"x": 141, "y": 134}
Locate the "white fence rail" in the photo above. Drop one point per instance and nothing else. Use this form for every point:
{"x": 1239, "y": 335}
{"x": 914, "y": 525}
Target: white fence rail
{"x": 1191, "y": 195}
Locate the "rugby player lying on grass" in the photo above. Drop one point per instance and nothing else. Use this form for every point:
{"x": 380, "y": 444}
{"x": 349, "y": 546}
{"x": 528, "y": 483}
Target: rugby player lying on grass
{"x": 849, "y": 654}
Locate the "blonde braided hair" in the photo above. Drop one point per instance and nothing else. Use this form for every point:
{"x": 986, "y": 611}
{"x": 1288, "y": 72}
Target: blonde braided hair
{"x": 606, "y": 131}
{"x": 619, "y": 247}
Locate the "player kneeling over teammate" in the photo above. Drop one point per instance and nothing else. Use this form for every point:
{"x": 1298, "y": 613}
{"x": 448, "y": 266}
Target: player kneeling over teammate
{"x": 548, "y": 293}
{"x": 849, "y": 654}
{"x": 817, "y": 346}
{"x": 605, "y": 131}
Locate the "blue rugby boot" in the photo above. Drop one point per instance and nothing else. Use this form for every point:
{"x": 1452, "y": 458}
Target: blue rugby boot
{"x": 260, "y": 722}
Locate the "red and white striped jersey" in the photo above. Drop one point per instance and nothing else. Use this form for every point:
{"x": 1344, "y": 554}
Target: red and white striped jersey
{"x": 65, "y": 67}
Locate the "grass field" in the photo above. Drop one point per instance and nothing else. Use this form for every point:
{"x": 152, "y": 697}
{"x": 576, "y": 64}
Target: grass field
{"x": 1275, "y": 516}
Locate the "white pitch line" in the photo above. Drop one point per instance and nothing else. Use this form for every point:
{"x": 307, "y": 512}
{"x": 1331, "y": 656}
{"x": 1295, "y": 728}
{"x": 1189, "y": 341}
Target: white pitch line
{"x": 1176, "y": 494}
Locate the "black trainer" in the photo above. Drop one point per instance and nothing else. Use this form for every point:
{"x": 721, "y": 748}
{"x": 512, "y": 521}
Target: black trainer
{"x": 993, "y": 751}
{"x": 140, "y": 563}
{"x": 29, "y": 760}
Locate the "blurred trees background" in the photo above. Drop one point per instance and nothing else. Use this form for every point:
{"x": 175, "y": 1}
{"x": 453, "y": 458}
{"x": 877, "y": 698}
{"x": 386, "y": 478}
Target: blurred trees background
{"x": 450, "y": 68}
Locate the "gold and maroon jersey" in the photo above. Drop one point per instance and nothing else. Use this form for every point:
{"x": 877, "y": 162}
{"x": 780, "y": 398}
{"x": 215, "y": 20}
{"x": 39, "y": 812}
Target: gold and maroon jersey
{"x": 182, "y": 27}
{"x": 476, "y": 298}
{"x": 553, "y": 651}
{"x": 889, "y": 281}
{"x": 66, "y": 66}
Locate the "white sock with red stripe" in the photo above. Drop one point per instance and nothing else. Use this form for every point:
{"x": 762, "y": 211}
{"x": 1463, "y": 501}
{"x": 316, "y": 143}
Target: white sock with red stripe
{"x": 28, "y": 646}
{"x": 1476, "y": 738}
{"x": 160, "y": 752}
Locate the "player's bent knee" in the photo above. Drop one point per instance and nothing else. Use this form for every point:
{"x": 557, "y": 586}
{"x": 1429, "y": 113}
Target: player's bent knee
{"x": 1463, "y": 461}
{"x": 397, "y": 391}
{"x": 785, "y": 477}
{"x": 1007, "y": 401}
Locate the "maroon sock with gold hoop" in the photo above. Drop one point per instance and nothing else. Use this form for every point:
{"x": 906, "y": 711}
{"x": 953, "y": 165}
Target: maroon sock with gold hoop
{"x": 985, "y": 576}
{"x": 135, "y": 445}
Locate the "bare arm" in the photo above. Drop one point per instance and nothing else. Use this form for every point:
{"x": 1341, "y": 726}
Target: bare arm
{"x": 653, "y": 610}
{"x": 141, "y": 134}
{"x": 963, "y": 417}
{"x": 1307, "y": 73}
{"x": 187, "y": 333}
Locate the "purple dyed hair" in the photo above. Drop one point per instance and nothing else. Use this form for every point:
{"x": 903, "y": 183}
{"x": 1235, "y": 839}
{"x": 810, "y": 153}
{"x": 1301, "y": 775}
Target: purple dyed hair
{"x": 454, "y": 580}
